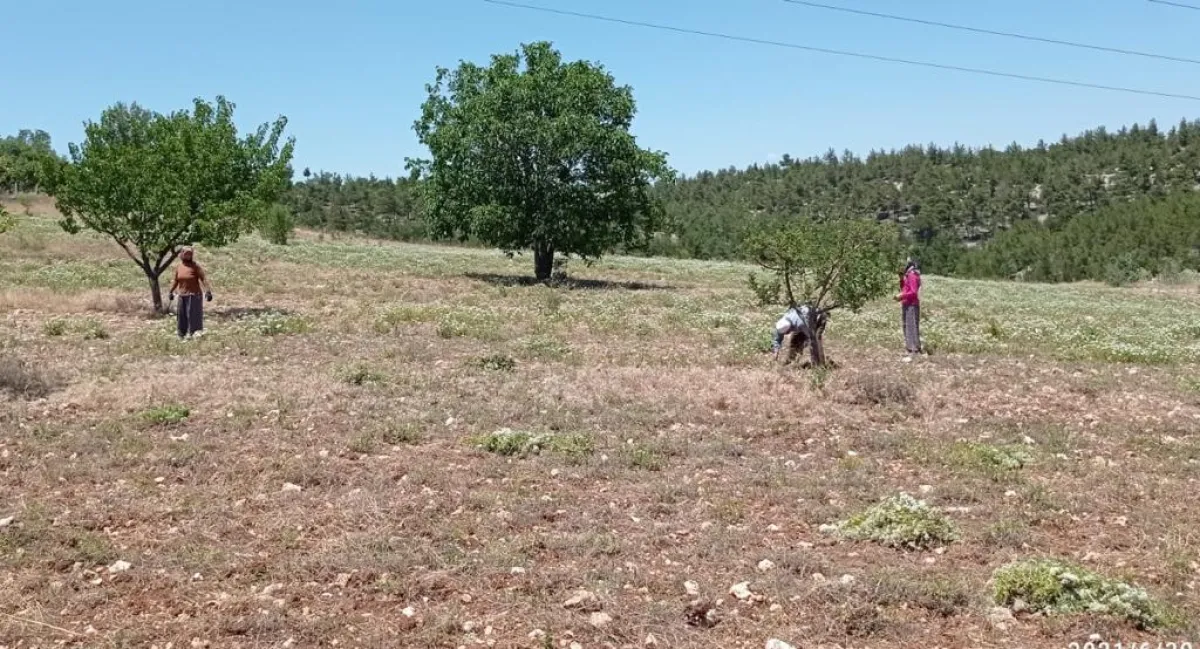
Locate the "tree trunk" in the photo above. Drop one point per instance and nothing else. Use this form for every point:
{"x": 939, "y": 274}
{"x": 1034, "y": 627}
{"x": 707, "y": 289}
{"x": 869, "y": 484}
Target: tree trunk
{"x": 816, "y": 349}
{"x": 155, "y": 290}
{"x": 543, "y": 263}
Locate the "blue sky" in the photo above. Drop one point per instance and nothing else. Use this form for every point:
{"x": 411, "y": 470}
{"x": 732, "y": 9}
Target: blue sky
{"x": 350, "y": 75}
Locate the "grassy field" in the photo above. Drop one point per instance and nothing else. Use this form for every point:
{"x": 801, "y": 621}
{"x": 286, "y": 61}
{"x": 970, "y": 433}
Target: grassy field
{"x": 320, "y": 470}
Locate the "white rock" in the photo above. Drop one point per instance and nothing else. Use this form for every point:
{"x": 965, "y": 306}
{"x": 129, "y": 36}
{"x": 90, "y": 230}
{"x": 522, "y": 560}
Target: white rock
{"x": 766, "y": 565}
{"x": 599, "y": 619}
{"x": 288, "y": 486}
{"x": 926, "y": 488}
{"x": 408, "y": 611}
{"x": 584, "y": 601}
{"x": 119, "y": 566}
{"x": 1095, "y": 637}
{"x": 776, "y": 607}
{"x": 691, "y": 588}
{"x": 1001, "y": 618}
{"x": 468, "y": 626}
{"x": 741, "y": 590}
{"x": 778, "y": 644}
{"x": 773, "y": 528}
{"x": 6, "y": 521}
{"x": 517, "y": 570}
{"x": 576, "y": 645}
{"x": 846, "y": 580}
{"x": 651, "y": 641}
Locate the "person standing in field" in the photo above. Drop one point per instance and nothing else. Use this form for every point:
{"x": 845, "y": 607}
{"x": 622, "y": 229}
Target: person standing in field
{"x": 192, "y": 285}
{"x": 910, "y": 305}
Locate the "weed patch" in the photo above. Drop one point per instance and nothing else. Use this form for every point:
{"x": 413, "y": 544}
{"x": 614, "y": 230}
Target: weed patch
{"x": 899, "y": 521}
{"x": 520, "y": 443}
{"x": 995, "y": 462}
{"x": 1056, "y": 587}
{"x": 22, "y": 380}
{"x": 496, "y": 363}
{"x": 274, "y": 323}
{"x": 882, "y": 390}
{"x": 360, "y": 375}
{"x": 165, "y": 415}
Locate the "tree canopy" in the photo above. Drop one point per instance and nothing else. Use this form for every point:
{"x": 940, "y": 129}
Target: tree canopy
{"x": 26, "y": 159}
{"x": 153, "y": 182}
{"x": 534, "y": 153}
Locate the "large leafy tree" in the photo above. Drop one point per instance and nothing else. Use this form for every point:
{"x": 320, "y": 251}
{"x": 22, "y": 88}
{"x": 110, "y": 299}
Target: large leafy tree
{"x": 533, "y": 153}
{"x": 25, "y": 160}
{"x": 826, "y": 264}
{"x": 153, "y": 182}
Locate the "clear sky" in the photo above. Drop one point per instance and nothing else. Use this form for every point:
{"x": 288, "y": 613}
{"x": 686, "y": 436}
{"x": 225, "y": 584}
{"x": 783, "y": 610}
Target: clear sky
{"x": 350, "y": 75}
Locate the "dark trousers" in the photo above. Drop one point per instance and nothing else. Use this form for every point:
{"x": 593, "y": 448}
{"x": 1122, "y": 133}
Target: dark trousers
{"x": 911, "y": 316}
{"x": 190, "y": 314}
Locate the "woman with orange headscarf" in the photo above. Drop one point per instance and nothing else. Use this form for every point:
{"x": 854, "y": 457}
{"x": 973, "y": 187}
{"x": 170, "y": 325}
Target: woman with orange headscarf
{"x": 191, "y": 283}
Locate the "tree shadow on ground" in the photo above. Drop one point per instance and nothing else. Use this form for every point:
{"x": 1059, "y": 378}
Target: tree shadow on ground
{"x": 497, "y": 279}
{"x": 238, "y": 313}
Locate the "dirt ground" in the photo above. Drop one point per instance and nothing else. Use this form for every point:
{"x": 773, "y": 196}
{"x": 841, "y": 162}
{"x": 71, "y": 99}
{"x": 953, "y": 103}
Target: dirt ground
{"x": 307, "y": 473}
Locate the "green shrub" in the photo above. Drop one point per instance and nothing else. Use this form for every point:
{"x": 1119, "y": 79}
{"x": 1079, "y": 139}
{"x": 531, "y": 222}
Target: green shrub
{"x": 1057, "y": 587}
{"x": 496, "y": 363}
{"x": 276, "y": 224}
{"x": 55, "y": 327}
{"x": 396, "y": 434}
{"x": 996, "y": 462}
{"x": 274, "y": 323}
{"x": 7, "y": 221}
{"x": 766, "y": 292}
{"x": 92, "y": 329}
{"x": 360, "y": 375}
{"x": 520, "y": 443}
{"x": 165, "y": 415}
{"x": 899, "y": 521}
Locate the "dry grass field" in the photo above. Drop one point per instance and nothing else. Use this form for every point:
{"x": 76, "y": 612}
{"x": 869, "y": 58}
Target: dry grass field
{"x": 319, "y": 471}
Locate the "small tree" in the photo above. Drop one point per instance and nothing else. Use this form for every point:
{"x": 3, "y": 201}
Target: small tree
{"x": 826, "y": 265}
{"x": 531, "y": 153}
{"x": 154, "y": 182}
{"x": 276, "y": 224}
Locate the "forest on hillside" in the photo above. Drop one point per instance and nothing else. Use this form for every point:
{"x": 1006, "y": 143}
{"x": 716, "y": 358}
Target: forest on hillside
{"x": 1100, "y": 205}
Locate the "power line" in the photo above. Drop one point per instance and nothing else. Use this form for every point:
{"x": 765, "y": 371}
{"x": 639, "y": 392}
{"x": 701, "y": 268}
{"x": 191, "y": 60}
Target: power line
{"x": 1176, "y": 4}
{"x": 859, "y": 55}
{"x": 992, "y": 32}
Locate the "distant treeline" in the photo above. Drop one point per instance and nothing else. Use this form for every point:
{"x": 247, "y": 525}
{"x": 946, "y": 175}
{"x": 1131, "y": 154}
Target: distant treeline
{"x": 1096, "y": 206}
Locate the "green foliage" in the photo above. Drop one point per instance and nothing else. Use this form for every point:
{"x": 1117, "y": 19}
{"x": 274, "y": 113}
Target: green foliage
{"x": 165, "y": 415}
{"x": 274, "y": 323}
{"x": 154, "y": 182}
{"x": 87, "y": 328}
{"x": 55, "y": 327}
{"x": 496, "y": 363}
{"x": 27, "y": 162}
{"x": 370, "y": 206}
{"x": 766, "y": 292}
{"x": 360, "y": 375}
{"x": 276, "y": 224}
{"x": 899, "y": 521}
{"x": 1118, "y": 245}
{"x": 995, "y": 461}
{"x": 520, "y": 443}
{"x": 532, "y": 153}
{"x": 1057, "y": 587}
{"x": 8, "y": 222}
{"x": 842, "y": 262}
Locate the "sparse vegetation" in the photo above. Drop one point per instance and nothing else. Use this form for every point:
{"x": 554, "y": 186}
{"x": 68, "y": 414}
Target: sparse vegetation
{"x": 661, "y": 433}
{"x": 519, "y": 443}
{"x": 18, "y": 378}
{"x": 166, "y": 414}
{"x": 899, "y": 521}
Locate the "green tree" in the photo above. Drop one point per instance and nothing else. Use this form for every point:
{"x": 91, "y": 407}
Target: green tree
{"x": 276, "y": 224}
{"x": 154, "y": 182}
{"x": 828, "y": 264}
{"x": 531, "y": 153}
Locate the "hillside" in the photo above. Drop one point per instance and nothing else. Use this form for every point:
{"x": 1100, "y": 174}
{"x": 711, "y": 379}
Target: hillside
{"x": 948, "y": 201}
{"x": 317, "y": 468}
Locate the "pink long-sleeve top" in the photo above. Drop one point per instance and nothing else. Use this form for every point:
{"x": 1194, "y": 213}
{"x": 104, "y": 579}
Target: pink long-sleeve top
{"x": 910, "y": 288}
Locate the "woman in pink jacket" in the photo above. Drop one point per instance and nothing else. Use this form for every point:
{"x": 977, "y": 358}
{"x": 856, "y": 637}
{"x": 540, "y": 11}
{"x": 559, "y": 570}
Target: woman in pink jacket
{"x": 910, "y": 305}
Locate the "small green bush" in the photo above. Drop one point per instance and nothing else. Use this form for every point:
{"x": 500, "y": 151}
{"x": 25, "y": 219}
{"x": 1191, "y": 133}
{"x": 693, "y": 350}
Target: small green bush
{"x": 496, "y": 363}
{"x": 55, "y": 327}
{"x": 396, "y": 434}
{"x": 92, "y": 329}
{"x": 766, "y": 292}
{"x": 520, "y": 443}
{"x": 165, "y": 415}
{"x": 276, "y": 224}
{"x": 7, "y": 221}
{"x": 360, "y": 375}
{"x": 274, "y": 323}
{"x": 1057, "y": 587}
{"x": 996, "y": 462}
{"x": 899, "y": 521}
